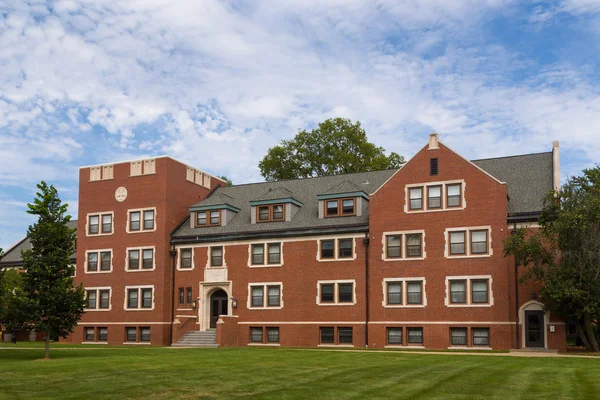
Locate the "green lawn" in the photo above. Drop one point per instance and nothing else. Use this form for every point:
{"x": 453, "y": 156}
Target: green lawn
{"x": 145, "y": 372}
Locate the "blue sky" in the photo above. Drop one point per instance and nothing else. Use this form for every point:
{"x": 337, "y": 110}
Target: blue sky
{"x": 216, "y": 83}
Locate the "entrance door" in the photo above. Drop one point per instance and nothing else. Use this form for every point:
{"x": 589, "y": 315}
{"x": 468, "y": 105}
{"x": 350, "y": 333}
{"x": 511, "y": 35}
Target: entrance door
{"x": 218, "y": 306}
{"x": 534, "y": 328}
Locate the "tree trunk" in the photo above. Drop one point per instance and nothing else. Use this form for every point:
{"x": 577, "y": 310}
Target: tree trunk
{"x": 47, "y": 356}
{"x": 582, "y": 336}
{"x": 588, "y": 329}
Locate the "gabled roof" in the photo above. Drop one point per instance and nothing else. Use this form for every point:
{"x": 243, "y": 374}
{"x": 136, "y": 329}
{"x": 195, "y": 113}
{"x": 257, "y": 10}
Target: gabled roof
{"x": 344, "y": 187}
{"x": 528, "y": 179}
{"x": 304, "y": 191}
{"x": 12, "y": 257}
{"x": 276, "y": 194}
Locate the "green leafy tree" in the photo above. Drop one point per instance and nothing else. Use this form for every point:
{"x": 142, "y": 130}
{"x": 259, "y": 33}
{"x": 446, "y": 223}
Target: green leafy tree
{"x": 14, "y": 304}
{"x": 226, "y": 179}
{"x": 564, "y": 254}
{"x": 55, "y": 304}
{"x": 337, "y": 146}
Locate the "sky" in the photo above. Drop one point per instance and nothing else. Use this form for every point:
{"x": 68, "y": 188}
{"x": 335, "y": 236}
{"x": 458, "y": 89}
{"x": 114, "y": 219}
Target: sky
{"x": 216, "y": 83}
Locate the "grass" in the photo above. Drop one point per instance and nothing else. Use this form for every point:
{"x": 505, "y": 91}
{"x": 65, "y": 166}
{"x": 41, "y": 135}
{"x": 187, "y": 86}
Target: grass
{"x": 149, "y": 372}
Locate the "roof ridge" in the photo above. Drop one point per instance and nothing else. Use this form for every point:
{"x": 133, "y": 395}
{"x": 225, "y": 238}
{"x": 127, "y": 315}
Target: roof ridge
{"x": 514, "y": 155}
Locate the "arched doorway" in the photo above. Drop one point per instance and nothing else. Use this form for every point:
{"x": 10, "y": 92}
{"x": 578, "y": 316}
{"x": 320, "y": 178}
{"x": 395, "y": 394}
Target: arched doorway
{"x": 218, "y": 306}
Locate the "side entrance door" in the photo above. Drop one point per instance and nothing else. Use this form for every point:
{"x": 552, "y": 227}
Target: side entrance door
{"x": 534, "y": 328}
{"x": 218, "y": 306}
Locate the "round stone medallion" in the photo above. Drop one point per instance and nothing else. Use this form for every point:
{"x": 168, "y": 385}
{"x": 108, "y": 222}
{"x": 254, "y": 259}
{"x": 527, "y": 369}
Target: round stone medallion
{"x": 121, "y": 194}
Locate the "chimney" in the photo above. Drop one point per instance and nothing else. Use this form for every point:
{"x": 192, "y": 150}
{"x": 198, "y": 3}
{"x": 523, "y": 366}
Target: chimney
{"x": 433, "y": 141}
{"x": 555, "y": 165}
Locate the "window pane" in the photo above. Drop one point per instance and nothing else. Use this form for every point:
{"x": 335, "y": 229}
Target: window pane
{"x": 105, "y": 266}
{"x": 106, "y": 223}
{"x": 458, "y": 292}
{"x": 145, "y": 334}
{"x": 148, "y": 259}
{"x": 181, "y": 296}
{"x": 186, "y": 258}
{"x": 394, "y": 295}
{"x": 256, "y": 335}
{"x": 413, "y": 290}
{"x": 458, "y": 336}
{"x": 327, "y": 248}
{"x": 273, "y": 335}
{"x": 257, "y": 296}
{"x": 258, "y": 254}
{"x": 134, "y": 259}
{"x": 94, "y": 224}
{"x": 481, "y": 336}
{"x": 394, "y": 246}
{"x": 413, "y": 245}
{"x": 273, "y": 296}
{"x": 435, "y": 197}
{"x": 189, "y": 296}
{"x": 216, "y": 256}
{"x": 102, "y": 334}
{"x": 416, "y": 198}
{"x": 479, "y": 291}
{"x": 134, "y": 221}
{"x": 348, "y": 207}
{"x": 92, "y": 262}
{"x": 215, "y": 217}
{"x": 345, "y": 292}
{"x": 479, "y": 242}
{"x": 274, "y": 253}
{"x": 415, "y": 335}
{"x": 201, "y": 218}
{"x": 89, "y": 334}
{"x": 149, "y": 219}
{"x": 345, "y": 248}
{"x": 91, "y": 299}
{"x": 327, "y": 335}
{"x": 332, "y": 207}
{"x": 457, "y": 243}
{"x": 345, "y": 335}
{"x": 327, "y": 293}
{"x": 146, "y": 298}
{"x": 132, "y": 298}
{"x": 394, "y": 335}
{"x": 131, "y": 334}
{"x": 277, "y": 212}
{"x": 104, "y": 299}
{"x": 453, "y": 195}
{"x": 263, "y": 213}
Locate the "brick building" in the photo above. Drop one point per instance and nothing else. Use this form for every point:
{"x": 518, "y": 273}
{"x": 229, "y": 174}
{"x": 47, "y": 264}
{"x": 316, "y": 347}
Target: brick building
{"x": 396, "y": 258}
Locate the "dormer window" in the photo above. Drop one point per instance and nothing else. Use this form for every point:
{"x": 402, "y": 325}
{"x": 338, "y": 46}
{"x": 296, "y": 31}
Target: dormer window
{"x": 340, "y": 207}
{"x": 270, "y": 213}
{"x": 208, "y": 218}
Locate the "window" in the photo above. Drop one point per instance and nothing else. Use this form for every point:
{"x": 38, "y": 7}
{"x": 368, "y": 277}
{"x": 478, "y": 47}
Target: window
{"x": 141, "y": 220}
{"x": 273, "y": 296}
{"x": 345, "y": 248}
{"x": 458, "y": 336}
{"x": 134, "y": 259}
{"x": 208, "y": 218}
{"x": 270, "y": 213}
{"x": 481, "y": 336}
{"x": 416, "y": 198}
{"x": 189, "y": 297}
{"x": 97, "y": 299}
{"x": 457, "y": 242}
{"x": 92, "y": 262}
{"x": 131, "y": 334}
{"x": 327, "y": 249}
{"x": 256, "y": 335}
{"x": 148, "y": 259}
{"x": 104, "y": 258}
{"x": 201, "y": 218}
{"x": 394, "y": 336}
{"x": 434, "y": 197}
{"x": 453, "y": 195}
{"x": 394, "y": 246}
{"x": 107, "y": 223}
{"x": 181, "y": 296}
{"x": 273, "y": 256}
{"x": 258, "y": 293}
{"x": 216, "y": 256}
{"x": 258, "y": 254}
{"x": 100, "y": 224}
{"x": 413, "y": 245}
{"x": 145, "y": 334}
{"x": 414, "y": 292}
{"x": 479, "y": 242}
{"x": 339, "y": 292}
{"x": 433, "y": 166}
{"x": 274, "y": 253}
{"x": 458, "y": 291}
{"x": 186, "y": 258}
{"x": 91, "y": 299}
{"x": 257, "y": 296}
{"x": 394, "y": 292}
{"x": 102, "y": 334}
{"x": 93, "y": 224}
{"x": 479, "y": 291}
{"x": 340, "y": 207}
{"x": 273, "y": 335}
{"x": 327, "y": 335}
{"x": 104, "y": 299}
{"x": 345, "y": 335}
{"x": 90, "y": 334}
{"x": 105, "y": 264}
{"x": 140, "y": 298}
{"x": 415, "y": 335}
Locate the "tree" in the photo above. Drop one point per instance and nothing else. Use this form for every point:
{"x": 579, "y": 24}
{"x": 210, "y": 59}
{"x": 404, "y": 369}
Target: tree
{"x": 564, "y": 254}
{"x": 14, "y": 304}
{"x": 55, "y": 305}
{"x": 337, "y": 146}
{"x": 226, "y": 179}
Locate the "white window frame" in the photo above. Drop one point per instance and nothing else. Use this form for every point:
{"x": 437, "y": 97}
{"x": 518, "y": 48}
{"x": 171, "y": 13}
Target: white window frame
{"x": 467, "y": 231}
{"x": 98, "y": 289}
{"x": 468, "y": 279}
{"x": 139, "y": 288}
{"x": 265, "y": 255}
{"x": 179, "y": 259}
{"x": 336, "y": 248}
{"x": 141, "y": 259}
{"x": 99, "y": 271}
{"x": 444, "y": 198}
{"x": 209, "y": 257}
{"x": 336, "y": 284}
{"x": 141, "y": 211}
{"x": 265, "y": 286}
{"x": 404, "y": 282}
{"x": 99, "y": 214}
{"x": 403, "y": 234}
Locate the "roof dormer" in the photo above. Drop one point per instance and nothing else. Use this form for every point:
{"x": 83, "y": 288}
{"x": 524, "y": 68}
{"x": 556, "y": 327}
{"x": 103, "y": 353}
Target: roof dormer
{"x": 343, "y": 200}
{"x": 216, "y": 210}
{"x": 275, "y": 205}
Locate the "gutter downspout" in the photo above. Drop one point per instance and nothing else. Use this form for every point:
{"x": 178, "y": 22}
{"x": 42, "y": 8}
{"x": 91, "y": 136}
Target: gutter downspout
{"x": 173, "y": 253}
{"x": 367, "y": 305}
{"x": 518, "y": 332}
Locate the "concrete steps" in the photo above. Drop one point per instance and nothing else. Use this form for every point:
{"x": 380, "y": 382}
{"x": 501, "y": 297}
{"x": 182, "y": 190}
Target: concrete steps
{"x": 198, "y": 339}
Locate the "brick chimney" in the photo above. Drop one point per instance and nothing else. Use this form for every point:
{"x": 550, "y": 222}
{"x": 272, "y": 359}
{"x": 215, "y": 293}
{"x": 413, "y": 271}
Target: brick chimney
{"x": 555, "y": 165}
{"x": 433, "y": 141}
